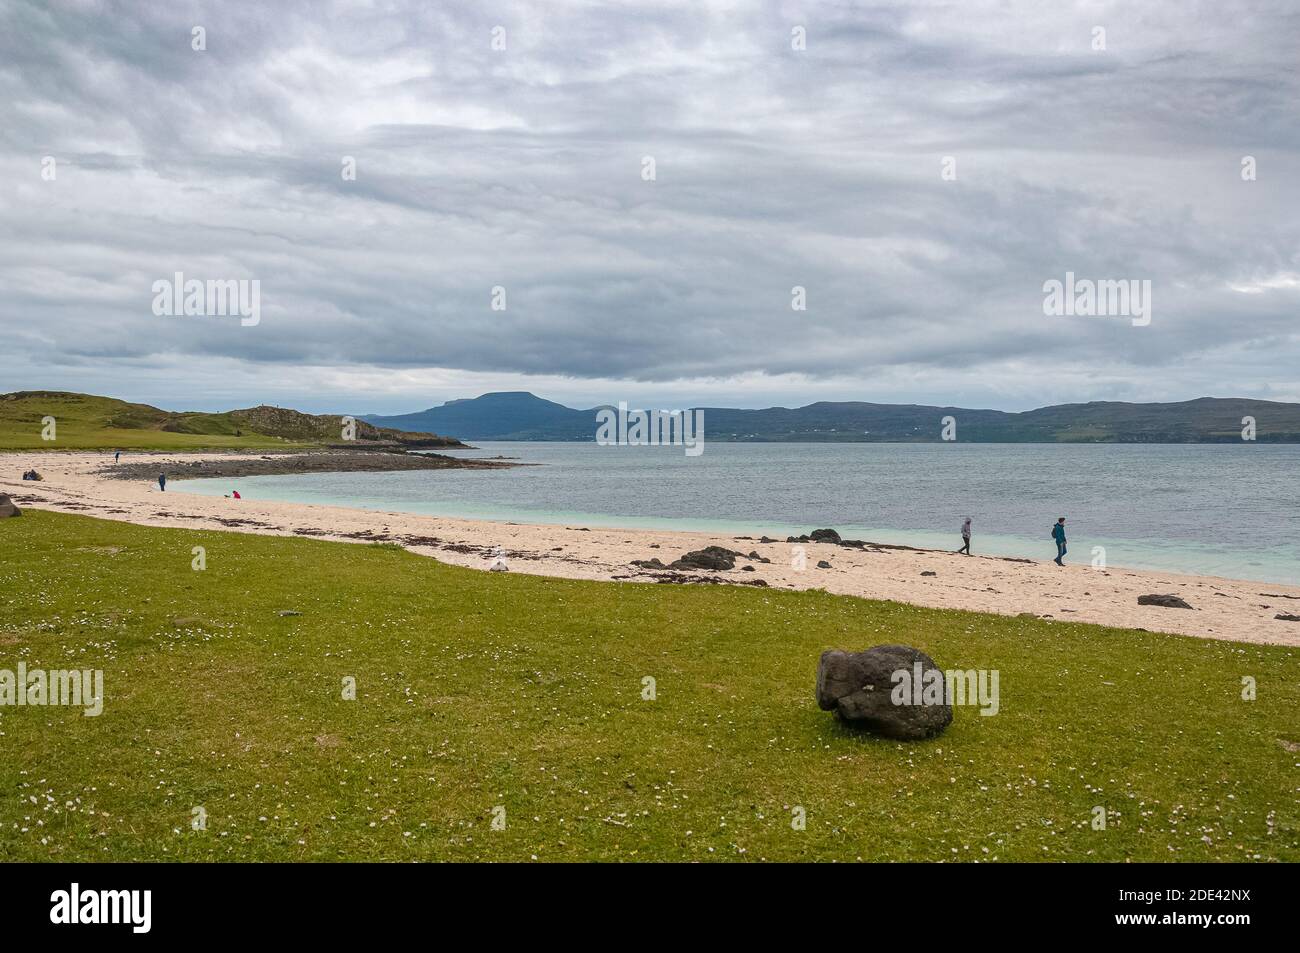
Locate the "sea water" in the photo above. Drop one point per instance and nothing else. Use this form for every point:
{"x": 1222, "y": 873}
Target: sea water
{"x": 1227, "y": 510}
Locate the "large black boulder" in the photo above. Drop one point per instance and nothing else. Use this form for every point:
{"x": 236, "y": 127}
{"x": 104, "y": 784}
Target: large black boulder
{"x": 860, "y": 688}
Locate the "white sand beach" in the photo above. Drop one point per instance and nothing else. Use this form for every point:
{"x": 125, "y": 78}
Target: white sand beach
{"x": 1222, "y": 608}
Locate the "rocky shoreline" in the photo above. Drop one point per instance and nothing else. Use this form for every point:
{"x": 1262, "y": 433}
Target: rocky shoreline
{"x": 225, "y": 465}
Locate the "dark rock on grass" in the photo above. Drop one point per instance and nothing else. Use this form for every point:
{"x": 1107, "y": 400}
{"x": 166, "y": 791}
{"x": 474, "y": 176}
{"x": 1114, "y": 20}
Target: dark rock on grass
{"x": 8, "y": 507}
{"x": 289, "y": 612}
{"x": 823, "y": 564}
{"x": 859, "y": 688}
{"x": 1167, "y": 601}
{"x": 1287, "y": 618}
{"x": 710, "y": 557}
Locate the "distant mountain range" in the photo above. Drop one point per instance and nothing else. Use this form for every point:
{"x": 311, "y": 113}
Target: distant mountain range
{"x": 517, "y": 415}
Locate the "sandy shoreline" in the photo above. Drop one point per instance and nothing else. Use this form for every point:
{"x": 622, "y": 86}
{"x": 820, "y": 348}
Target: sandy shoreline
{"x": 1222, "y": 608}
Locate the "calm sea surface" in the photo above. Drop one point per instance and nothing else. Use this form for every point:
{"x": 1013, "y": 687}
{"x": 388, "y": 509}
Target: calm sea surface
{"x": 1228, "y": 510}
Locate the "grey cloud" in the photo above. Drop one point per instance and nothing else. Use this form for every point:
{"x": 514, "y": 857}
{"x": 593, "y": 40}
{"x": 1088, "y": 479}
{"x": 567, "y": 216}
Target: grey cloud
{"x": 775, "y": 168}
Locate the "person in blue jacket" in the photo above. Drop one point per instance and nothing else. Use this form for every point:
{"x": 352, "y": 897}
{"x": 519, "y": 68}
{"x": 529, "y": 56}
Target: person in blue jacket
{"x": 1058, "y": 534}
{"x": 162, "y": 482}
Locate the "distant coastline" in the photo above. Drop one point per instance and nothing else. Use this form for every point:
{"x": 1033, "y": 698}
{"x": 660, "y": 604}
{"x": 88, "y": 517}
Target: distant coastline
{"x": 249, "y": 464}
{"x": 521, "y": 416}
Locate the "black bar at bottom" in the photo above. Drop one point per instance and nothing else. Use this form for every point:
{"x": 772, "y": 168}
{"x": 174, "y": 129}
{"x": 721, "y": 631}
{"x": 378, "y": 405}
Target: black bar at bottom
{"x": 870, "y": 902}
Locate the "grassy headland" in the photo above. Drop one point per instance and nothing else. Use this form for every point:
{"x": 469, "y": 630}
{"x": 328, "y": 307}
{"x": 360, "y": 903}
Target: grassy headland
{"x": 87, "y": 422}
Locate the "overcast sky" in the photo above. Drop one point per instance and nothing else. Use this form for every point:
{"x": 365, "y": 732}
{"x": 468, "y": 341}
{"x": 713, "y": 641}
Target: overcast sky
{"x": 523, "y": 168}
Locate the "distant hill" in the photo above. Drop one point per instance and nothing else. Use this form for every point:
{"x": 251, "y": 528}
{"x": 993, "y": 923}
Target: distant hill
{"x": 507, "y": 415}
{"x": 517, "y": 415}
{"x": 86, "y": 421}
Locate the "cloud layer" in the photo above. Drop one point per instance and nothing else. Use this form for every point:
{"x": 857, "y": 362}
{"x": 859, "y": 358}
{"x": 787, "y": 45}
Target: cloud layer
{"x": 775, "y": 167}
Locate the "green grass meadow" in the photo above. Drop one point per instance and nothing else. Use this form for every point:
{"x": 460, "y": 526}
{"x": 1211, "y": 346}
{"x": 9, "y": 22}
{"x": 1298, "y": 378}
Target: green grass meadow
{"x": 86, "y": 422}
{"x": 478, "y": 691}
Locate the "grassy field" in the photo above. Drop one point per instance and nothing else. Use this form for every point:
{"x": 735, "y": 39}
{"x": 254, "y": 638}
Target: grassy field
{"x": 477, "y": 691}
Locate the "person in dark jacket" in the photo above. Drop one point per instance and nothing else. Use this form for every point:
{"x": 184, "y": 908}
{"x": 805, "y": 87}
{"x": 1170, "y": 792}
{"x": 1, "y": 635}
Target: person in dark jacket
{"x": 965, "y": 537}
{"x": 1058, "y": 534}
{"x": 162, "y": 482}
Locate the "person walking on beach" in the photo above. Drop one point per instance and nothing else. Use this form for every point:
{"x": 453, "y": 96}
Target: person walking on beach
{"x": 965, "y": 537}
{"x": 162, "y": 482}
{"x": 117, "y": 456}
{"x": 1058, "y": 534}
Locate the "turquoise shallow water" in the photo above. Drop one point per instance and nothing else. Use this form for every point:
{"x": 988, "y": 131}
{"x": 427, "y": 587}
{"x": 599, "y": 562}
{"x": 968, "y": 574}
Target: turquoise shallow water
{"x": 1227, "y": 510}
